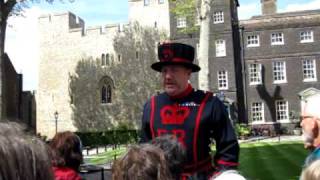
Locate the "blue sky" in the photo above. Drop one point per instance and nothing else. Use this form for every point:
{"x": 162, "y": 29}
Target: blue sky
{"x": 21, "y": 39}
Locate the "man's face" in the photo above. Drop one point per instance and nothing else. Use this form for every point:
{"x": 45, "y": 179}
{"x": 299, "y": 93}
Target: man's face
{"x": 309, "y": 127}
{"x": 175, "y": 79}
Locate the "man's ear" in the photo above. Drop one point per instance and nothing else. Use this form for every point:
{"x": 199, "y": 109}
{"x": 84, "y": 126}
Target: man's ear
{"x": 315, "y": 127}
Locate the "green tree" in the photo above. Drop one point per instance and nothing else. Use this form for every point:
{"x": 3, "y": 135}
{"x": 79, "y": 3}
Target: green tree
{"x": 193, "y": 9}
{"x": 8, "y": 8}
{"x": 134, "y": 82}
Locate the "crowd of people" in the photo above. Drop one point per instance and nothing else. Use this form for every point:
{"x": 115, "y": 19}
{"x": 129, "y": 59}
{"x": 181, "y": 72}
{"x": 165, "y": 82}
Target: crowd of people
{"x": 178, "y": 126}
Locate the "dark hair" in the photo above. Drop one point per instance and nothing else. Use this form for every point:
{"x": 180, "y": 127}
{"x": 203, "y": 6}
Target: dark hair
{"x": 144, "y": 162}
{"x": 22, "y": 156}
{"x": 174, "y": 152}
{"x": 66, "y": 150}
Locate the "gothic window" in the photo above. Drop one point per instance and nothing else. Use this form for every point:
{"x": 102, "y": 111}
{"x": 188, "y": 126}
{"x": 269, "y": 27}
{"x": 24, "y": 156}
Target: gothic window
{"x": 106, "y": 88}
{"x": 103, "y": 60}
{"x": 107, "y": 59}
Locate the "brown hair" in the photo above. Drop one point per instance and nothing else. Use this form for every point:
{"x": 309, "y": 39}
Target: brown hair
{"x": 144, "y": 162}
{"x": 22, "y": 156}
{"x": 66, "y": 150}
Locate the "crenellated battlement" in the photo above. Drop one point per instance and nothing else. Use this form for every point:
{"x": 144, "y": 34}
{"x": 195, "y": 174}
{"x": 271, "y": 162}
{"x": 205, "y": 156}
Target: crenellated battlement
{"x": 68, "y": 22}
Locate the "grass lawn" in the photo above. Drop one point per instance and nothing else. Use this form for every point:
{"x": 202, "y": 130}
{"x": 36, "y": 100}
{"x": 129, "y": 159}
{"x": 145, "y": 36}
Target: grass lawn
{"x": 272, "y": 161}
{"x": 258, "y": 161}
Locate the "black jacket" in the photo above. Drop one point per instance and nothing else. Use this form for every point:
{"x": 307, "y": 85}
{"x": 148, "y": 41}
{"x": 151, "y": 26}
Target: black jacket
{"x": 195, "y": 119}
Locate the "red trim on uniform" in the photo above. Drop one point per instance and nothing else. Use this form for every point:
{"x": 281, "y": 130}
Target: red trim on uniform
{"x": 195, "y": 137}
{"x": 175, "y": 59}
{"x": 184, "y": 93}
{"x": 227, "y": 163}
{"x": 152, "y": 116}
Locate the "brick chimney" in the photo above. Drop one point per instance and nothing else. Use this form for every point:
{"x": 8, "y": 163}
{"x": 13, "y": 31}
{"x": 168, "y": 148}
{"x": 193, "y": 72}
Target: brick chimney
{"x": 269, "y": 7}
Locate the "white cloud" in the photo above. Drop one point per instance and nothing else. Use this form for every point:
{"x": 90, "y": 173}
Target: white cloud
{"x": 248, "y": 10}
{"x": 315, "y": 4}
{"x": 22, "y": 46}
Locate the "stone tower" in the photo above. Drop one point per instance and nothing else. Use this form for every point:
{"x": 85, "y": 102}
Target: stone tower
{"x": 63, "y": 43}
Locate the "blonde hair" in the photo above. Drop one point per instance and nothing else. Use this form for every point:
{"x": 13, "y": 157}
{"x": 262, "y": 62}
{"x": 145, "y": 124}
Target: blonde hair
{"x": 311, "y": 172}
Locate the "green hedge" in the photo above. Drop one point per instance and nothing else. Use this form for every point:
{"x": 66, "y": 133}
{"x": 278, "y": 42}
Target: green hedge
{"x": 108, "y": 137}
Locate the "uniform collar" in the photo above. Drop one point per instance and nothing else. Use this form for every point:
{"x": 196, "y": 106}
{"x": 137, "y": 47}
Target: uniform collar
{"x": 185, "y": 93}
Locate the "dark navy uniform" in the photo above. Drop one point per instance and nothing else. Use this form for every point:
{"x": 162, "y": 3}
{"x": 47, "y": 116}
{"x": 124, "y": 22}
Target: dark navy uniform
{"x": 195, "y": 117}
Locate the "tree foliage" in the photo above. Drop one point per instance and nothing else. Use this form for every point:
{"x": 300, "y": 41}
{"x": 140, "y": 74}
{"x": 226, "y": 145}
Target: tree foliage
{"x": 134, "y": 82}
{"x": 188, "y": 9}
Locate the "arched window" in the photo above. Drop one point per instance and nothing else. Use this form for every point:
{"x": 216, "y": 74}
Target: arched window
{"x": 103, "y": 60}
{"x": 109, "y": 94}
{"x": 106, "y": 87}
{"x": 107, "y": 59}
{"x": 103, "y": 95}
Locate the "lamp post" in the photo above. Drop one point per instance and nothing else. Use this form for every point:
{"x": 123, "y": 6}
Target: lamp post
{"x": 56, "y": 115}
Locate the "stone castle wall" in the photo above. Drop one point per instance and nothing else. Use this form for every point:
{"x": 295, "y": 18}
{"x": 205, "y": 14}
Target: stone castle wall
{"x": 63, "y": 43}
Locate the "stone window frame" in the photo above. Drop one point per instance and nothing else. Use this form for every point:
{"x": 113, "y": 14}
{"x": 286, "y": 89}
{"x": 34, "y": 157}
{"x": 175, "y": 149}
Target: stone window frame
{"x": 106, "y": 88}
{"x": 282, "y": 110}
{"x": 103, "y": 60}
{"x": 279, "y": 72}
{"x": 218, "y": 17}
{"x": 277, "y": 38}
{"x": 253, "y": 40}
{"x": 257, "y": 112}
{"x": 255, "y": 73}
{"x": 220, "y": 48}
{"x": 309, "y": 70}
{"x": 222, "y": 77}
{"x": 306, "y": 36}
{"x": 181, "y": 22}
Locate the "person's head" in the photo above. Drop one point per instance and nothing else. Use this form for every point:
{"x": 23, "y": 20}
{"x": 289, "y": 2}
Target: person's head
{"x": 310, "y": 122}
{"x": 228, "y": 175}
{"x": 311, "y": 172}
{"x": 66, "y": 150}
{"x": 144, "y": 162}
{"x": 174, "y": 152}
{"x": 22, "y": 156}
{"x": 176, "y": 65}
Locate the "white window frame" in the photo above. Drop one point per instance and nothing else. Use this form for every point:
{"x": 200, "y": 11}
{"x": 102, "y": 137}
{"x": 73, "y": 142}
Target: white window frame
{"x": 161, "y": 1}
{"x": 146, "y": 2}
{"x": 277, "y": 38}
{"x": 309, "y": 70}
{"x": 306, "y": 36}
{"x": 181, "y": 22}
{"x": 222, "y": 80}
{"x": 282, "y": 111}
{"x": 218, "y": 17}
{"x": 253, "y": 40}
{"x": 255, "y": 76}
{"x": 220, "y": 48}
{"x": 257, "y": 112}
{"x": 279, "y": 72}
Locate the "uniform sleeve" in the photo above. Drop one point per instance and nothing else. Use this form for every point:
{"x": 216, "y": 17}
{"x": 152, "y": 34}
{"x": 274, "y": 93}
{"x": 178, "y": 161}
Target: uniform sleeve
{"x": 145, "y": 124}
{"x": 227, "y": 147}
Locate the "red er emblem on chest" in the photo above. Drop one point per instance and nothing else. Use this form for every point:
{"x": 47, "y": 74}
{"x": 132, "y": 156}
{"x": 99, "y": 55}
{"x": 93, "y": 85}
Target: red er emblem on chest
{"x": 174, "y": 114}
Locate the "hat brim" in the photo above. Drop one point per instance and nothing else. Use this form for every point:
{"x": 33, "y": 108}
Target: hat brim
{"x": 158, "y": 65}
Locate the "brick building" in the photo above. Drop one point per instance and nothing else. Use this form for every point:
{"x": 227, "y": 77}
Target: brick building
{"x": 259, "y": 67}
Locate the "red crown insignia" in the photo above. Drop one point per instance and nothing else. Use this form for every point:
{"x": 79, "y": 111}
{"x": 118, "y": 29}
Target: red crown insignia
{"x": 167, "y": 54}
{"x": 174, "y": 114}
